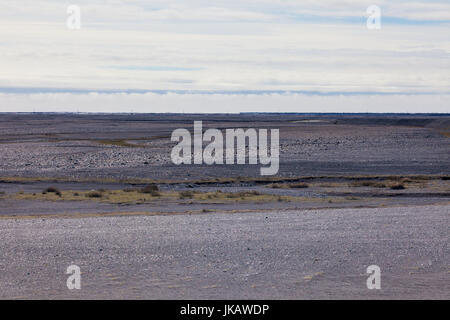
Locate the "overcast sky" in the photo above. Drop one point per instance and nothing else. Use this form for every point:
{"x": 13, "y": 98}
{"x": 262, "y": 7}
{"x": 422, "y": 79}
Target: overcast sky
{"x": 225, "y": 56}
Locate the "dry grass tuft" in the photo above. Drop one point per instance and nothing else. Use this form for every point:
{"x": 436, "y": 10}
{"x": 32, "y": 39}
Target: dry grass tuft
{"x": 297, "y": 185}
{"x": 374, "y": 184}
{"x": 398, "y": 187}
{"x": 52, "y": 190}
{"x": 151, "y": 189}
{"x": 186, "y": 195}
{"x": 94, "y": 194}
{"x": 120, "y": 143}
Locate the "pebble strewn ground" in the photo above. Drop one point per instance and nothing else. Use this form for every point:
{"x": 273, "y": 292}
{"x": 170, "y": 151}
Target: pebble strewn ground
{"x": 319, "y": 254}
{"x": 74, "y": 146}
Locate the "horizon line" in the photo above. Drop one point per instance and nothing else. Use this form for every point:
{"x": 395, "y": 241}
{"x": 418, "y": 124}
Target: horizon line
{"x": 38, "y": 90}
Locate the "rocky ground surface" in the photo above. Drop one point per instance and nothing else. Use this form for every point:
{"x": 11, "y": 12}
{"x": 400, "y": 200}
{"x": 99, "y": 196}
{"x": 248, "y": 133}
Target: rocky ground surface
{"x": 312, "y": 254}
{"x": 352, "y": 191}
{"x": 137, "y": 146}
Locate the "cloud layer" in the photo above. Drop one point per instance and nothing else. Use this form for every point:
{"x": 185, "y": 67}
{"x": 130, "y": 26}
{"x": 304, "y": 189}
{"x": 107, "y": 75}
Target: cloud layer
{"x": 278, "y": 45}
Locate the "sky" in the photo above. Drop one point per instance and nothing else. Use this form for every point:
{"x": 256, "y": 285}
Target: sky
{"x": 225, "y": 56}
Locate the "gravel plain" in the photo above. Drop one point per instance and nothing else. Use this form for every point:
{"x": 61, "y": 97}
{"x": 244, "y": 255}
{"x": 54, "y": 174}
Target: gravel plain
{"x": 245, "y": 250}
{"x": 268, "y": 255}
{"x": 84, "y": 146}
